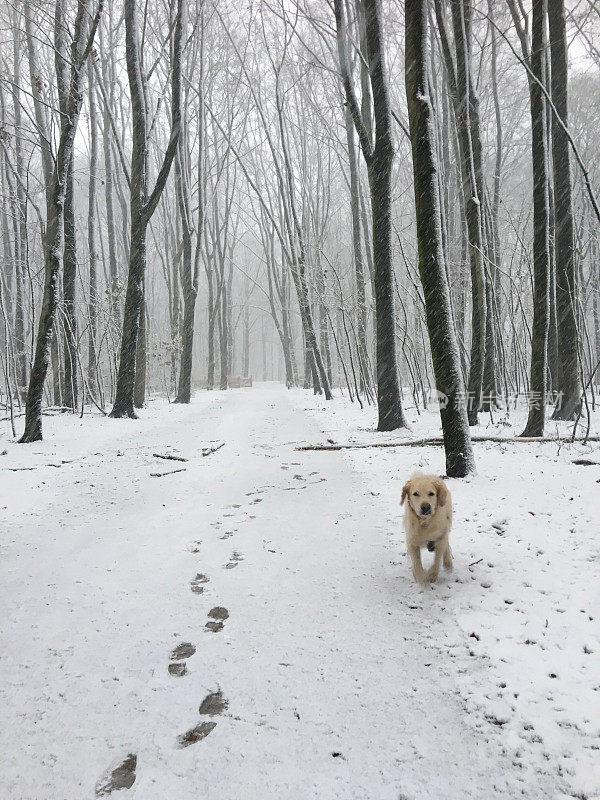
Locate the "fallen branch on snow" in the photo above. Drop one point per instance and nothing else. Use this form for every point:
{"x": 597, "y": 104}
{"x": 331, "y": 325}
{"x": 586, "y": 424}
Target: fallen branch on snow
{"x": 162, "y": 474}
{"x": 435, "y": 441}
{"x": 169, "y": 457}
{"x": 206, "y": 451}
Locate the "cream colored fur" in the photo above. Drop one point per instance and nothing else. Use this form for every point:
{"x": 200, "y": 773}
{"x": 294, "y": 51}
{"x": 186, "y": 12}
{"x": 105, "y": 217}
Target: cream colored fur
{"x": 423, "y": 526}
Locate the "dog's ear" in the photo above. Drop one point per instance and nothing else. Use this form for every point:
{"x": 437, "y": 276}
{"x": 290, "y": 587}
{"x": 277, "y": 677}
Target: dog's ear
{"x": 405, "y": 491}
{"x": 442, "y": 492}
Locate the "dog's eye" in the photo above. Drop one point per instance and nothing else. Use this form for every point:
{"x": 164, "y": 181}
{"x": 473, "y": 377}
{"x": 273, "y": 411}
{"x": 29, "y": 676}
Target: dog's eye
{"x": 415, "y": 494}
{"x": 431, "y": 494}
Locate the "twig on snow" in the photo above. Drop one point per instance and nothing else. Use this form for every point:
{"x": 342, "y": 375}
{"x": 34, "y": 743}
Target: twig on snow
{"x": 162, "y": 474}
{"x": 169, "y": 457}
{"x": 206, "y": 451}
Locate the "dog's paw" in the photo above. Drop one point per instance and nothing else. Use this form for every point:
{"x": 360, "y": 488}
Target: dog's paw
{"x": 420, "y": 577}
{"x": 432, "y": 575}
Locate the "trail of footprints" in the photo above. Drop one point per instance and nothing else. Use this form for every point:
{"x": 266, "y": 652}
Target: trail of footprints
{"x": 123, "y": 775}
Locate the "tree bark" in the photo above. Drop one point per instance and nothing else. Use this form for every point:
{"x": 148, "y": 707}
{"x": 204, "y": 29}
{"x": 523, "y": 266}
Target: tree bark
{"x": 359, "y": 269}
{"x": 69, "y": 234}
{"x": 541, "y": 226}
{"x": 442, "y": 336}
{"x": 53, "y": 245}
{"x": 568, "y": 381}
{"x": 92, "y": 365}
{"x": 142, "y": 207}
{"x": 379, "y": 157}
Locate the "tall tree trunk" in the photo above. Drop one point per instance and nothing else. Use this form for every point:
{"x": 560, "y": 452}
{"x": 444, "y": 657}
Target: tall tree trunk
{"x": 69, "y": 234}
{"x": 467, "y": 113}
{"x": 568, "y": 382}
{"x": 21, "y": 244}
{"x": 189, "y": 270}
{"x": 93, "y": 284}
{"x": 391, "y": 414}
{"x": 142, "y": 207}
{"x": 108, "y": 194}
{"x": 53, "y": 244}
{"x": 359, "y": 269}
{"x": 442, "y": 336}
{"x": 379, "y": 157}
{"x": 224, "y": 336}
{"x": 541, "y": 226}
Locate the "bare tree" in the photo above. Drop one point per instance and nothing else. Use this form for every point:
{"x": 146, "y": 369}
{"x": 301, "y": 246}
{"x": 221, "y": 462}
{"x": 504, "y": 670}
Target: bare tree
{"x": 535, "y": 56}
{"x": 142, "y": 204}
{"x": 444, "y": 347}
{"x": 568, "y": 382}
{"x": 81, "y": 43}
{"x": 379, "y": 156}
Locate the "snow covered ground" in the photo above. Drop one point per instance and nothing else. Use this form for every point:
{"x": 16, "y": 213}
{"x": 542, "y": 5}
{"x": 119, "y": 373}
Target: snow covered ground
{"x": 248, "y": 627}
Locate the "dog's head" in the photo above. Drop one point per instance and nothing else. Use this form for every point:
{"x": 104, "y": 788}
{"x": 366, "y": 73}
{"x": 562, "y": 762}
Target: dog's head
{"x": 425, "y": 493}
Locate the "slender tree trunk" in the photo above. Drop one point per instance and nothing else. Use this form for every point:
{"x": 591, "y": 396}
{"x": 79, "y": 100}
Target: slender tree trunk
{"x": 21, "y": 244}
{"x": 467, "y": 108}
{"x": 379, "y": 157}
{"x": 361, "y": 310}
{"x": 184, "y": 391}
{"x": 224, "y": 336}
{"x": 142, "y": 207}
{"x": 442, "y": 337}
{"x": 568, "y": 382}
{"x": 189, "y": 270}
{"x": 141, "y": 355}
{"x": 69, "y": 235}
{"x": 108, "y": 196}
{"x": 93, "y": 285}
{"x": 53, "y": 245}
{"x": 541, "y": 220}
{"x": 246, "y": 343}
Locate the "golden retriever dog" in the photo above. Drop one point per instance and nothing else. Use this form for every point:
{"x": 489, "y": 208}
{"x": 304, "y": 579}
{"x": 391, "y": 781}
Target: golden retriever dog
{"x": 427, "y": 521}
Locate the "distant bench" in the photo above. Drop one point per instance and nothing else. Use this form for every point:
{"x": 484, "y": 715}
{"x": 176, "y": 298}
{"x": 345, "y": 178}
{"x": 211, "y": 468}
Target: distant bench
{"x": 233, "y": 382}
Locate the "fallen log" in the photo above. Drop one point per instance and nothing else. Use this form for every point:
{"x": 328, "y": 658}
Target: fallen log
{"x": 438, "y": 441}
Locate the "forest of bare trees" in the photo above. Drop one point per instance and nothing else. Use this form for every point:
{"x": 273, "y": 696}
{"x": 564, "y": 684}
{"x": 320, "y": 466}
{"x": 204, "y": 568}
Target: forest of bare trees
{"x": 395, "y": 201}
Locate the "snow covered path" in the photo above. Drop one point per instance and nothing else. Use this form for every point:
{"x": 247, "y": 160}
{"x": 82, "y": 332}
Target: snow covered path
{"x": 316, "y": 657}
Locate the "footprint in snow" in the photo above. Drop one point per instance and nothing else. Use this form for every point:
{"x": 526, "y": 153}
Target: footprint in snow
{"x": 178, "y": 667}
{"x": 217, "y": 615}
{"x": 234, "y": 560}
{"x": 213, "y": 704}
{"x": 195, "y": 734}
{"x": 183, "y": 650}
{"x": 121, "y": 777}
{"x": 196, "y": 583}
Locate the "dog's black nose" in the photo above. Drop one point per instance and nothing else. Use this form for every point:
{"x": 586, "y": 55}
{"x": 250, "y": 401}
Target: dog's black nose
{"x": 425, "y": 508}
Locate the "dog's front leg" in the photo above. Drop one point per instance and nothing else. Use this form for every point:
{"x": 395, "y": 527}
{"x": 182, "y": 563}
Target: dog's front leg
{"x": 417, "y": 565}
{"x": 447, "y": 557}
{"x": 434, "y": 569}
